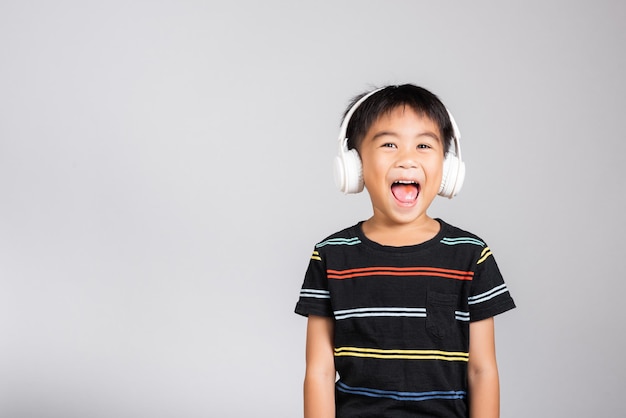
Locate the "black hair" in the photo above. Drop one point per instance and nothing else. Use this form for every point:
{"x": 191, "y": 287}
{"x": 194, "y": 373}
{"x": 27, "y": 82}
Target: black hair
{"x": 422, "y": 101}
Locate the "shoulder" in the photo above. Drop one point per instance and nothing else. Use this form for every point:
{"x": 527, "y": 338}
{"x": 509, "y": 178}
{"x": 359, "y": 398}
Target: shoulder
{"x": 453, "y": 235}
{"x": 347, "y": 236}
{"x": 462, "y": 244}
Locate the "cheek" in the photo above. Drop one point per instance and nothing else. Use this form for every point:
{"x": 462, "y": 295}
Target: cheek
{"x": 369, "y": 176}
{"x": 374, "y": 172}
{"x": 435, "y": 169}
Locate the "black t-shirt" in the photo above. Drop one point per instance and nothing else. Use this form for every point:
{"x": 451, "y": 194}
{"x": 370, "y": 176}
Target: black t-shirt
{"x": 402, "y": 318}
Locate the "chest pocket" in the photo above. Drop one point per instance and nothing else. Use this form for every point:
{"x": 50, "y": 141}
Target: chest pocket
{"x": 440, "y": 320}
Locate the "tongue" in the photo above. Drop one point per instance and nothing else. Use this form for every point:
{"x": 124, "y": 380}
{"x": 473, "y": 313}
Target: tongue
{"x": 405, "y": 193}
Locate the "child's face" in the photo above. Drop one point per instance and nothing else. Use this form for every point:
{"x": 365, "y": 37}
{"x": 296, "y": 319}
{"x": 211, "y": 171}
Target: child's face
{"x": 402, "y": 155}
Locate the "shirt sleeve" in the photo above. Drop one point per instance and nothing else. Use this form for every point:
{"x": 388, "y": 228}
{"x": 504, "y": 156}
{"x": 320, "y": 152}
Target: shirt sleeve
{"x": 489, "y": 295}
{"x": 314, "y": 295}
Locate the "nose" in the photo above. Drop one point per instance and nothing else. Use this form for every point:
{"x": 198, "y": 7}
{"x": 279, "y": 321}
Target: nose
{"x": 407, "y": 160}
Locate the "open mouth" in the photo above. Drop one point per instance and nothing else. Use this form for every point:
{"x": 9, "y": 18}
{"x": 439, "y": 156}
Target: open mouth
{"x": 405, "y": 191}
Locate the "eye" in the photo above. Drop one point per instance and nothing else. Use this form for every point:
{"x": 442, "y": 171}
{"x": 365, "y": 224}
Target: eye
{"x": 388, "y": 145}
{"x": 423, "y": 146}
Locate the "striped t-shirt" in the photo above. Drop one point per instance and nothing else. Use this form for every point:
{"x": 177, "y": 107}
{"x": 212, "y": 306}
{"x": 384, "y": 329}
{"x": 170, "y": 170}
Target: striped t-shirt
{"x": 402, "y": 318}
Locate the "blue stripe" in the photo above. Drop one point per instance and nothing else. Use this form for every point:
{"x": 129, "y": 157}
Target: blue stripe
{"x": 402, "y": 396}
{"x": 339, "y": 241}
{"x": 462, "y": 240}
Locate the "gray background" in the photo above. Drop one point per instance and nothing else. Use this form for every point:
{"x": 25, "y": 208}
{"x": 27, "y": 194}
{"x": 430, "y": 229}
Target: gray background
{"x": 165, "y": 169}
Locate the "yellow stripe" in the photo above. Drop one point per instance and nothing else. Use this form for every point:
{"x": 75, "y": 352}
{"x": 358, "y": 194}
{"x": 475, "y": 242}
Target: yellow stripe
{"x": 407, "y": 357}
{"x": 484, "y": 255}
{"x": 316, "y": 258}
{"x": 402, "y": 354}
{"x": 379, "y": 350}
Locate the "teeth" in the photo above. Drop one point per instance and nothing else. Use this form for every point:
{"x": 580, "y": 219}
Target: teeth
{"x": 405, "y": 182}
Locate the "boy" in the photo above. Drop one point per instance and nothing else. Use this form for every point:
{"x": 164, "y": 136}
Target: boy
{"x": 401, "y": 305}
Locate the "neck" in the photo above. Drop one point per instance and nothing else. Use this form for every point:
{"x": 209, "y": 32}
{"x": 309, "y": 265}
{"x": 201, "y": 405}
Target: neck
{"x": 400, "y": 235}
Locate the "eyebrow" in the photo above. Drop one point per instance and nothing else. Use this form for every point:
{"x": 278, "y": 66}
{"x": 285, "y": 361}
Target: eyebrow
{"x": 391, "y": 133}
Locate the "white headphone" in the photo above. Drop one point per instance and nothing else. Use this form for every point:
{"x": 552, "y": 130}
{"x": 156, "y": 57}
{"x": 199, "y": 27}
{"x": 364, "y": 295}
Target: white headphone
{"x": 349, "y": 170}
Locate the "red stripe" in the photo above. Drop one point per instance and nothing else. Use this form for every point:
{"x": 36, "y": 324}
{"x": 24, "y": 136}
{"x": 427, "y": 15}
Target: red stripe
{"x": 400, "y": 271}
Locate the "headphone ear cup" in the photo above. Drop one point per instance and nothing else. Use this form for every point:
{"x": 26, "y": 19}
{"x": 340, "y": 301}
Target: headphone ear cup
{"x": 453, "y": 175}
{"x": 348, "y": 172}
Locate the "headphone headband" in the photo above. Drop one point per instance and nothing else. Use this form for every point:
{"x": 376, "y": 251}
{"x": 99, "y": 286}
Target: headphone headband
{"x": 343, "y": 131}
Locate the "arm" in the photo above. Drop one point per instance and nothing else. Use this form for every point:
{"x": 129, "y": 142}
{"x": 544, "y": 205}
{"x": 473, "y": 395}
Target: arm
{"x": 484, "y": 384}
{"x": 319, "y": 380}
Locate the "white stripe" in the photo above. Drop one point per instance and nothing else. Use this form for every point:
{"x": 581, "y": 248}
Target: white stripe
{"x": 462, "y": 316}
{"x": 326, "y": 292}
{"x": 487, "y": 297}
{"x": 387, "y": 311}
{"x": 392, "y": 312}
{"x": 496, "y": 291}
{"x": 344, "y": 311}
{"x": 304, "y": 295}
{"x": 314, "y": 293}
{"x": 371, "y": 314}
